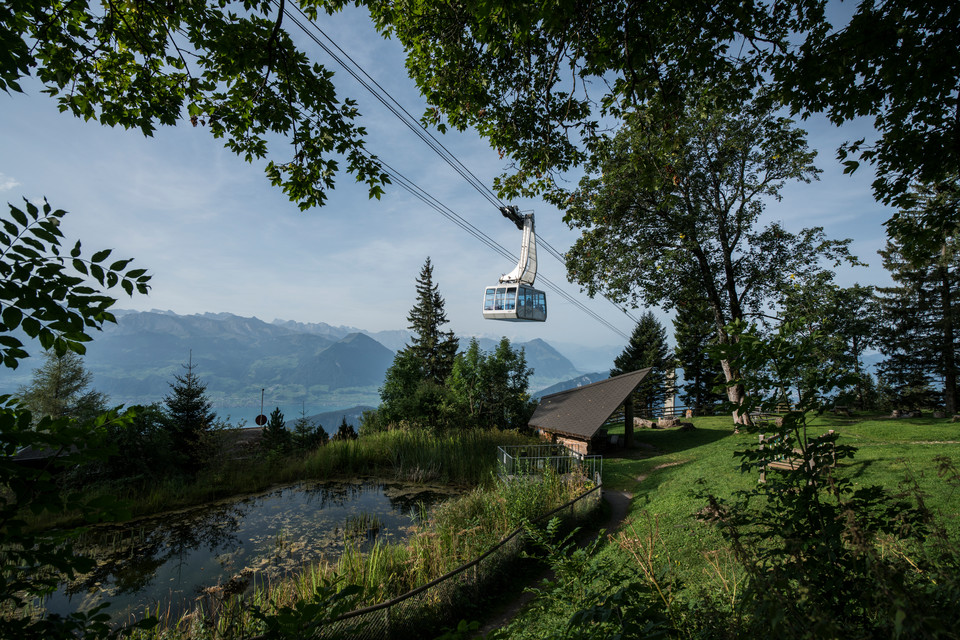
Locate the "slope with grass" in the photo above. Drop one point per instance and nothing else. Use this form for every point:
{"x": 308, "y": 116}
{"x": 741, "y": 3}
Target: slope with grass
{"x": 670, "y": 541}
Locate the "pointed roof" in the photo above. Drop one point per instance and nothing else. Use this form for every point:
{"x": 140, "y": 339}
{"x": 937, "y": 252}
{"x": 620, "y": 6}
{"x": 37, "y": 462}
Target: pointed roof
{"x": 582, "y": 411}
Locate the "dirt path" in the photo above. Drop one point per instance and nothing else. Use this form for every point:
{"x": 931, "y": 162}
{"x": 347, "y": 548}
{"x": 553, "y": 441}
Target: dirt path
{"x": 619, "y": 502}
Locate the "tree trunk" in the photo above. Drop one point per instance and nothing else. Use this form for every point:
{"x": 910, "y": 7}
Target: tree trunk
{"x": 736, "y": 394}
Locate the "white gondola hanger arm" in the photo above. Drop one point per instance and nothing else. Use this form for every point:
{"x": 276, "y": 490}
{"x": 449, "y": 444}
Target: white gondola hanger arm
{"x": 526, "y": 269}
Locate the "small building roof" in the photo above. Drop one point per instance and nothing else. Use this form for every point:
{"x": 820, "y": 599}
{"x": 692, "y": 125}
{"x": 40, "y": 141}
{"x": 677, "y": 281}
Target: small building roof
{"x": 582, "y": 411}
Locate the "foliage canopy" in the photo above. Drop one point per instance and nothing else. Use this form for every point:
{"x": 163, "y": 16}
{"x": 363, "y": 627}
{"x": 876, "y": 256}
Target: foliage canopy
{"x": 229, "y": 67}
{"x": 542, "y": 81}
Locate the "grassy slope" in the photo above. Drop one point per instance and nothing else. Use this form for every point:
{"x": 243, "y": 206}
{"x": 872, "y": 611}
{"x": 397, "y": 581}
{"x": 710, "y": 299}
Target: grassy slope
{"x": 664, "y": 483}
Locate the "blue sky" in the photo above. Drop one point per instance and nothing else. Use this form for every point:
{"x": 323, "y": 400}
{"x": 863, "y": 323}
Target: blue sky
{"x": 217, "y": 237}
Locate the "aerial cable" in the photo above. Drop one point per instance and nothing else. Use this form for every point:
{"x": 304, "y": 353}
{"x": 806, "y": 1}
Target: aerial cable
{"x": 424, "y": 196}
{"x": 392, "y": 105}
{"x": 411, "y": 187}
{"x": 414, "y": 125}
{"x": 560, "y": 257}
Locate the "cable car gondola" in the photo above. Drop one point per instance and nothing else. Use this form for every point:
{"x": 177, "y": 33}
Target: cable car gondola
{"x": 514, "y": 297}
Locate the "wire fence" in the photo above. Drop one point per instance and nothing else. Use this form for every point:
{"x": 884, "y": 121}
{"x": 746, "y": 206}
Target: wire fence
{"x": 457, "y": 595}
{"x": 522, "y": 460}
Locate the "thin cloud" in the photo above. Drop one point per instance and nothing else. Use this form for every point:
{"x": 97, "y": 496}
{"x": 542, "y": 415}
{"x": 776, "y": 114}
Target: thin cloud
{"x": 7, "y": 182}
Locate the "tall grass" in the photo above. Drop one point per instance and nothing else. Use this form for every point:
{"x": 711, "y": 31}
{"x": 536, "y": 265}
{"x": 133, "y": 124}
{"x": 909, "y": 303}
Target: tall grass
{"x": 459, "y": 457}
{"x": 458, "y": 531}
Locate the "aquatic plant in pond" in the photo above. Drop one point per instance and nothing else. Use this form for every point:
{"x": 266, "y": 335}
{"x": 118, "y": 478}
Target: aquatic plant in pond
{"x": 172, "y": 559}
{"x": 362, "y": 526}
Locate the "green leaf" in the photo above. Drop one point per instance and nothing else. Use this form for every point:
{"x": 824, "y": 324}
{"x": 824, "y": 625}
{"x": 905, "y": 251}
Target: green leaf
{"x": 100, "y": 256}
{"x": 120, "y": 264}
{"x": 11, "y": 318}
{"x": 18, "y": 215}
{"x": 30, "y": 326}
{"x": 80, "y": 266}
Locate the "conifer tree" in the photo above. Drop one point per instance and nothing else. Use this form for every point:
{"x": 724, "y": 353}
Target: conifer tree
{"x": 345, "y": 431}
{"x": 413, "y": 388}
{"x": 59, "y": 388}
{"x": 190, "y": 416}
{"x": 694, "y": 328}
{"x": 275, "y": 435}
{"x": 306, "y": 435}
{"x": 647, "y": 348}
{"x": 434, "y": 348}
{"x": 918, "y": 335}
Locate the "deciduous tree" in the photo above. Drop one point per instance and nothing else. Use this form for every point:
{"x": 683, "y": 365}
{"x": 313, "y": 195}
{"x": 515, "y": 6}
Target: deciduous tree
{"x": 47, "y": 291}
{"x": 661, "y": 213}
{"x": 538, "y": 79}
{"x": 846, "y": 318}
{"x": 44, "y": 293}
{"x": 229, "y": 68}
{"x": 490, "y": 389}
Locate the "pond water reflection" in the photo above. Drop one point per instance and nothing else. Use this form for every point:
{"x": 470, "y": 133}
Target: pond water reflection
{"x": 169, "y": 559}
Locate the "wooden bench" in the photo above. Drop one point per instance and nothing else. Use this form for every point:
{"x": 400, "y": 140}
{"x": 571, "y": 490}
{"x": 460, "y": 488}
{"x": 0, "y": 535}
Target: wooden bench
{"x": 763, "y": 419}
{"x": 781, "y": 462}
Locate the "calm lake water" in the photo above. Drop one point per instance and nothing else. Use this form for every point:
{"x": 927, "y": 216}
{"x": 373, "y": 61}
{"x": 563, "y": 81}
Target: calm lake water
{"x": 168, "y": 560}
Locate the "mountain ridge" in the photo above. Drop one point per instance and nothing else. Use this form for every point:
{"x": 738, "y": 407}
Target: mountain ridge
{"x": 238, "y": 358}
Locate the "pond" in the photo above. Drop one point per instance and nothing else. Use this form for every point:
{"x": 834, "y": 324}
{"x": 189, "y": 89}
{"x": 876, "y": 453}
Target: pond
{"x": 166, "y": 561}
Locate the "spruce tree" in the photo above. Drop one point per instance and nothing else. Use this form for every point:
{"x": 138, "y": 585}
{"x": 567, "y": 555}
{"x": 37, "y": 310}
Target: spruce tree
{"x": 307, "y": 436}
{"x": 413, "y": 389}
{"x": 190, "y": 416}
{"x": 918, "y": 335}
{"x": 345, "y": 431}
{"x": 694, "y": 329}
{"x": 435, "y": 349}
{"x": 275, "y": 435}
{"x": 647, "y": 348}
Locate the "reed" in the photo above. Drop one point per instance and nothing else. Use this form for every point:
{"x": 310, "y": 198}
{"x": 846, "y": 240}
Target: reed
{"x": 458, "y": 531}
{"x": 415, "y": 455}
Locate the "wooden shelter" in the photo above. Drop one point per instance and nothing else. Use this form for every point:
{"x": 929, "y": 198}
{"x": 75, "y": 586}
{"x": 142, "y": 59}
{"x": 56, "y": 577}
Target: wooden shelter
{"x": 575, "y": 418}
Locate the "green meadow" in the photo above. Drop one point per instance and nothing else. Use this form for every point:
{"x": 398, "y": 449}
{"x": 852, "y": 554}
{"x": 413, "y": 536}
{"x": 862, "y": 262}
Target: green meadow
{"x": 670, "y": 544}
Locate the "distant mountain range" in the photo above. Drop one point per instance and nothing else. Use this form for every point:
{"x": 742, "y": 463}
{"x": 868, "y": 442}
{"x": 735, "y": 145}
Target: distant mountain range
{"x": 135, "y": 360}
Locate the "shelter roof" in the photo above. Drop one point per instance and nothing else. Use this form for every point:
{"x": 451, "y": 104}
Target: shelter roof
{"x": 582, "y": 411}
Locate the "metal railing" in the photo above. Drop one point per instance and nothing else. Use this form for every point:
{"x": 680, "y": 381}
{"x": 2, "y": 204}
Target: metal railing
{"x": 457, "y": 595}
{"x": 522, "y": 460}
